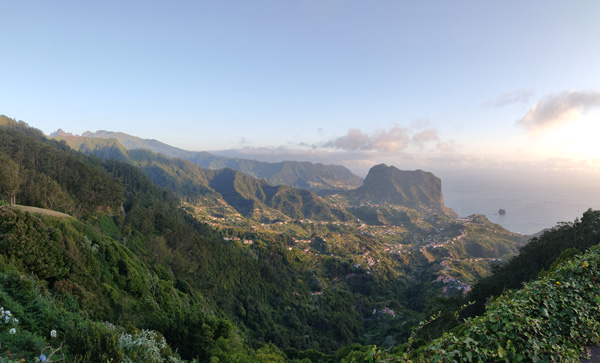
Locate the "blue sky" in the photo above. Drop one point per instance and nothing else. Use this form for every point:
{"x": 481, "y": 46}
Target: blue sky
{"x": 428, "y": 84}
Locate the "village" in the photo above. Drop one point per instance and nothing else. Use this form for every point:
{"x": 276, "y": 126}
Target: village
{"x": 401, "y": 240}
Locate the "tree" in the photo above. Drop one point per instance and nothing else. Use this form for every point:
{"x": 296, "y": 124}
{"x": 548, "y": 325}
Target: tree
{"x": 9, "y": 177}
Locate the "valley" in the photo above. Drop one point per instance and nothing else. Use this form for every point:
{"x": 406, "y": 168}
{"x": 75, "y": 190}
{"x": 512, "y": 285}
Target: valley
{"x": 391, "y": 243}
{"x": 457, "y": 245}
{"x": 224, "y": 265}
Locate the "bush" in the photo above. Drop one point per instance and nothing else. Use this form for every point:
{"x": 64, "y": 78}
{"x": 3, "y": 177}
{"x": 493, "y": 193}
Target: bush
{"x": 549, "y": 319}
{"x": 145, "y": 346}
{"x": 94, "y": 342}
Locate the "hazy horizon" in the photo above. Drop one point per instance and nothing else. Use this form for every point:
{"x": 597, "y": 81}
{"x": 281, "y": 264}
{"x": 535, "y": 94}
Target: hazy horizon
{"x": 535, "y": 199}
{"x": 467, "y": 84}
{"x": 491, "y": 88}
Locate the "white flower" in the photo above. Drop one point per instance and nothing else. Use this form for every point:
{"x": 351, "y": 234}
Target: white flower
{"x": 12, "y": 331}
{"x": 7, "y": 312}
{"x": 16, "y": 321}
{"x": 53, "y": 333}
{"x": 6, "y": 319}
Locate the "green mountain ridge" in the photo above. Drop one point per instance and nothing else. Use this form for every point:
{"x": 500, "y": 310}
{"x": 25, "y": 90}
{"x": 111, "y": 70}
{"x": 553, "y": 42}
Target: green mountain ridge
{"x": 384, "y": 185}
{"x": 159, "y": 247}
{"x": 316, "y": 177}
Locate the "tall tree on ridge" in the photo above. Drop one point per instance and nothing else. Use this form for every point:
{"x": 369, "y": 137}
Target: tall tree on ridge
{"x": 9, "y": 178}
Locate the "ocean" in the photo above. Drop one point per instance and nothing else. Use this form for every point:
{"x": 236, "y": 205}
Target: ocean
{"x": 533, "y": 200}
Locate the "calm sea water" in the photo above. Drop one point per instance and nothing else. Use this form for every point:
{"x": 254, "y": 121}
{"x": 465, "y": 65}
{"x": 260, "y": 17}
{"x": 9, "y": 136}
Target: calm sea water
{"x": 533, "y": 200}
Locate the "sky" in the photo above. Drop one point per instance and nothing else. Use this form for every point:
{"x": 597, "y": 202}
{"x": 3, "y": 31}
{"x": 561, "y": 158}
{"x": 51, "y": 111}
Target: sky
{"x": 416, "y": 84}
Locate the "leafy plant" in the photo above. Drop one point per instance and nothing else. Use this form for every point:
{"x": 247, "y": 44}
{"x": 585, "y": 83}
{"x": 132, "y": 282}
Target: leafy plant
{"x": 551, "y": 318}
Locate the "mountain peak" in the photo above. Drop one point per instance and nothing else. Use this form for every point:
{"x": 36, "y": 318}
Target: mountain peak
{"x": 416, "y": 189}
{"x": 60, "y": 132}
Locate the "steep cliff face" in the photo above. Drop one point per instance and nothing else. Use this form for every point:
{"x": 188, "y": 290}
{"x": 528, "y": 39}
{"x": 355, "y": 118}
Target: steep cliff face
{"x": 417, "y": 189}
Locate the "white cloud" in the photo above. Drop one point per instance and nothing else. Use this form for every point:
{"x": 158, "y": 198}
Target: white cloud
{"x": 446, "y": 147}
{"x": 557, "y": 109}
{"x": 425, "y": 136}
{"x": 355, "y": 139}
{"x": 419, "y": 124}
{"x": 520, "y": 96}
{"x": 395, "y": 139}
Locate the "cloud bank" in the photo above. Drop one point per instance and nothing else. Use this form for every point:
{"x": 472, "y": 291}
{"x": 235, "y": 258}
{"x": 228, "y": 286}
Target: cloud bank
{"x": 557, "y": 109}
{"x": 394, "y": 139}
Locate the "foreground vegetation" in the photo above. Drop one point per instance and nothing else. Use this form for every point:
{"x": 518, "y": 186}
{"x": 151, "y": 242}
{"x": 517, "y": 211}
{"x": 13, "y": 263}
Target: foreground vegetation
{"x": 137, "y": 275}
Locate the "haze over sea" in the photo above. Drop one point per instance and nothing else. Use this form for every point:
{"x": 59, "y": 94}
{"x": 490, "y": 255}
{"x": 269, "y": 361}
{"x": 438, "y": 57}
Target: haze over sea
{"x": 533, "y": 200}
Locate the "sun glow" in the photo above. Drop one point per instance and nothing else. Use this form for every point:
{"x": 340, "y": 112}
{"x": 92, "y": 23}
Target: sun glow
{"x": 577, "y": 140}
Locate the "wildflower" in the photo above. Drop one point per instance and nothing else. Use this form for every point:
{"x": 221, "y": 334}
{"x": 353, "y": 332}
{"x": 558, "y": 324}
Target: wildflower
{"x": 42, "y": 358}
{"x": 15, "y": 321}
{"x": 6, "y": 319}
{"x": 53, "y": 333}
{"x": 586, "y": 264}
{"x": 12, "y": 331}
{"x": 558, "y": 283}
{"x": 7, "y": 312}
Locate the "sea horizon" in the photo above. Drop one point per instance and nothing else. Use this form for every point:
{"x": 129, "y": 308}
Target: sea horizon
{"x": 533, "y": 200}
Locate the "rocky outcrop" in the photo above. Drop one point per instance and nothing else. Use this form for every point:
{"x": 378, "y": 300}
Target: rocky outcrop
{"x": 416, "y": 189}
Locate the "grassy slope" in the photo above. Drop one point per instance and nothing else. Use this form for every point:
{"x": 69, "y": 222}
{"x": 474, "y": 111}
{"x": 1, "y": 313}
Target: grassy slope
{"x": 44, "y": 211}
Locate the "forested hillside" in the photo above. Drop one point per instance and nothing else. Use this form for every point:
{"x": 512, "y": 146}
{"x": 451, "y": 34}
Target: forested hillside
{"x": 50, "y": 175}
{"x": 543, "y": 305}
{"x": 541, "y": 254}
{"x": 229, "y": 268}
{"x": 265, "y": 291}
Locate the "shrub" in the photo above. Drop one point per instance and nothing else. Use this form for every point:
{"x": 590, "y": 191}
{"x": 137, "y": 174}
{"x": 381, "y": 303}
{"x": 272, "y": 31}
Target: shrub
{"x": 146, "y": 346}
{"x": 549, "y": 319}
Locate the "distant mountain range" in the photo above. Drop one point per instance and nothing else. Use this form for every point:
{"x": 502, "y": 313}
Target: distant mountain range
{"x": 220, "y": 186}
{"x": 260, "y": 189}
{"x": 305, "y": 175}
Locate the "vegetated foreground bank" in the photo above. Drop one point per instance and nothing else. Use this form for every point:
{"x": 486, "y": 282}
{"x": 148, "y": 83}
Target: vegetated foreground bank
{"x": 136, "y": 259}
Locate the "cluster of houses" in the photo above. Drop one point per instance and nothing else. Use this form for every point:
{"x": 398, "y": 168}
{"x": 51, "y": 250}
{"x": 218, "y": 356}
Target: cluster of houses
{"x": 302, "y": 240}
{"x": 369, "y": 260}
{"x": 437, "y": 241}
{"x": 269, "y": 225}
{"x": 385, "y": 232}
{"x": 244, "y": 241}
{"x": 452, "y": 283}
{"x": 393, "y": 248}
{"x": 384, "y": 312}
